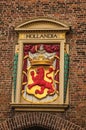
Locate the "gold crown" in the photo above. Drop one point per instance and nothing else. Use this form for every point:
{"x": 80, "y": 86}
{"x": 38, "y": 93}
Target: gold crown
{"x": 41, "y": 60}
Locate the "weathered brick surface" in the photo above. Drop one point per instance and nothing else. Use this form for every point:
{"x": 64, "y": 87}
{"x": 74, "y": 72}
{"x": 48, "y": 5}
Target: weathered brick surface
{"x": 19, "y": 123}
{"x": 73, "y": 12}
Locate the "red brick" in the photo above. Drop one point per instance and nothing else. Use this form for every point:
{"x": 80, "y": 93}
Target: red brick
{"x": 72, "y": 12}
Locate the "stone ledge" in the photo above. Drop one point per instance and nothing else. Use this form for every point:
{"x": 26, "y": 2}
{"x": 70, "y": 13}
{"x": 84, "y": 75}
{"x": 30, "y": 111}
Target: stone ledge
{"x": 39, "y": 107}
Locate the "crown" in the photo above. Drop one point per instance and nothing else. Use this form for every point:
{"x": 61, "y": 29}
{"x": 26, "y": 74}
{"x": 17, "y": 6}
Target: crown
{"x": 41, "y": 60}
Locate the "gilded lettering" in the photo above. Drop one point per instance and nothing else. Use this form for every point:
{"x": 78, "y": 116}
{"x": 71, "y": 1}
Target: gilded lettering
{"x": 45, "y": 35}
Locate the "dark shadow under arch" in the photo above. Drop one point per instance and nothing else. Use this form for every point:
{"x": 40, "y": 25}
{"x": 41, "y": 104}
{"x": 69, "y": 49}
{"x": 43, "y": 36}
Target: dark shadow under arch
{"x": 36, "y": 128}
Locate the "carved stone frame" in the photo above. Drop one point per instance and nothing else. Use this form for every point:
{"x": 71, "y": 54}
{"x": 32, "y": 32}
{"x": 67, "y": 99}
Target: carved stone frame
{"x": 42, "y": 25}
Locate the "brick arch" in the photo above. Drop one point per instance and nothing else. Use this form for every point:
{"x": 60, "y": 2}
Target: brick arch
{"x": 41, "y": 119}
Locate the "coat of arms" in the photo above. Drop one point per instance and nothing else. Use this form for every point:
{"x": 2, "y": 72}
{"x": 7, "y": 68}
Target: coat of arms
{"x": 41, "y": 73}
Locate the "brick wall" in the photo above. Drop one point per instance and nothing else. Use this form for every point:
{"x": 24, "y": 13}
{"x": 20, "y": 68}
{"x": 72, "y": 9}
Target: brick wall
{"x": 73, "y": 12}
{"x": 40, "y": 119}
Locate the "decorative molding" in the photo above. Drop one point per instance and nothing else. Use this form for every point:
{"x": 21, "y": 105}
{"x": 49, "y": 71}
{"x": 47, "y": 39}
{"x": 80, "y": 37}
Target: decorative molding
{"x": 39, "y": 107}
{"x": 42, "y": 24}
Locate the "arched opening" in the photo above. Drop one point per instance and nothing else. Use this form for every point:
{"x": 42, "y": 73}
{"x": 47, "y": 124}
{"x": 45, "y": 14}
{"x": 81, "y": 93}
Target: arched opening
{"x": 36, "y": 128}
{"x": 38, "y": 121}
